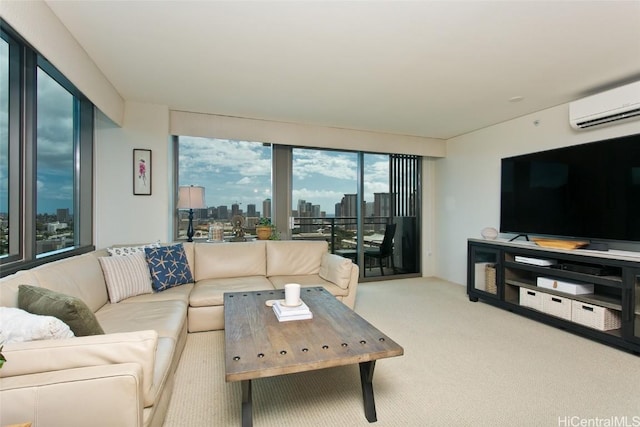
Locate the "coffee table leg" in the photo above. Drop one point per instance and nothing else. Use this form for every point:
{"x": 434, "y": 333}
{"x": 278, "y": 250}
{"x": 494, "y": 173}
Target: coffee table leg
{"x": 366, "y": 378}
{"x": 247, "y": 418}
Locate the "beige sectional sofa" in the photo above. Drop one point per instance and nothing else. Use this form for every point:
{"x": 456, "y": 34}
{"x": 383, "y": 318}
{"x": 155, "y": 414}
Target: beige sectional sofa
{"x": 124, "y": 377}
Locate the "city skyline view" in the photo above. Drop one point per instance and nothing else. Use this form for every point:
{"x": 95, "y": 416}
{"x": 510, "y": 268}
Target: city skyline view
{"x": 240, "y": 172}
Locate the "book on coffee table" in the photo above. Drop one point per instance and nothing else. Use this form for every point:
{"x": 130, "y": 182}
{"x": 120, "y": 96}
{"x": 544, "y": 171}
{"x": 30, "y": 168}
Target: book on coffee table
{"x": 285, "y": 313}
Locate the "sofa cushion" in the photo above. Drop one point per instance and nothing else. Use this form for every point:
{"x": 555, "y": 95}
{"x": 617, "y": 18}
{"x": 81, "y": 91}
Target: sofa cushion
{"x": 220, "y": 260}
{"x": 308, "y": 280}
{"x": 128, "y": 250}
{"x": 168, "y": 266}
{"x": 210, "y": 292}
{"x": 71, "y": 310}
{"x": 177, "y": 293}
{"x": 167, "y": 318}
{"x": 288, "y": 257}
{"x": 336, "y": 269}
{"x": 126, "y": 276}
{"x": 188, "y": 250}
{"x": 79, "y": 276}
{"x": 9, "y": 286}
{"x": 17, "y": 325}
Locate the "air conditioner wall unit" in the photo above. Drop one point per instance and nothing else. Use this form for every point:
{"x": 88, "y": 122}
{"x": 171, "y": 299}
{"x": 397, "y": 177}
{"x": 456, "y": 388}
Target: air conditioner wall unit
{"x": 609, "y": 107}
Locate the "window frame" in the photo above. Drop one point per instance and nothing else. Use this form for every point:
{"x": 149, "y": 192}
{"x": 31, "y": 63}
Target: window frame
{"x": 24, "y": 61}
{"x": 282, "y": 186}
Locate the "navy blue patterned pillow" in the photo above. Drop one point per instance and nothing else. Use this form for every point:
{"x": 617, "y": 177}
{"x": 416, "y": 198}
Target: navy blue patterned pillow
{"x": 168, "y": 267}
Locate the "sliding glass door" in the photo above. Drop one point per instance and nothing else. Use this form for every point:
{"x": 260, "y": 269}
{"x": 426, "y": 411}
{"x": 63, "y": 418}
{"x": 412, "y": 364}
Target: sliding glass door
{"x": 323, "y": 196}
{"x": 364, "y": 205}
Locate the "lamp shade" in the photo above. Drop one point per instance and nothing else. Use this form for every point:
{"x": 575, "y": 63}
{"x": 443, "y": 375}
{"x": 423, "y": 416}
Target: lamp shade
{"x": 191, "y": 197}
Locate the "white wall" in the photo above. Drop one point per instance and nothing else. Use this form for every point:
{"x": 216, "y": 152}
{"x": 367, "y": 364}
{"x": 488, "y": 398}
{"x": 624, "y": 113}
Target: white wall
{"x": 428, "y": 225}
{"x": 39, "y": 26}
{"x": 121, "y": 217}
{"x": 467, "y": 188}
{"x": 216, "y": 126}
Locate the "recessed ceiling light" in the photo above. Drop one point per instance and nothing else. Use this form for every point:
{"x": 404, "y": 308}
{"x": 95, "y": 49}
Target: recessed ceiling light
{"x": 516, "y": 99}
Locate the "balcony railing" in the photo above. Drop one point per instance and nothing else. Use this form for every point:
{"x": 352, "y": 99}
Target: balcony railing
{"x": 341, "y": 232}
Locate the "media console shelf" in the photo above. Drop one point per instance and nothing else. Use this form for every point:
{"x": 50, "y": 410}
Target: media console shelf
{"x": 609, "y": 312}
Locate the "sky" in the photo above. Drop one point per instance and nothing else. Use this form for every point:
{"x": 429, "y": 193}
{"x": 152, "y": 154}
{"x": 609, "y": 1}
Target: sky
{"x": 240, "y": 172}
{"x": 54, "y": 142}
{"x": 55, "y": 146}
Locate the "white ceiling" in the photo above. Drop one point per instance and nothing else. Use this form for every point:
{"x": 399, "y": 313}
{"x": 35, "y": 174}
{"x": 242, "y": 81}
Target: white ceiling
{"x": 425, "y": 68}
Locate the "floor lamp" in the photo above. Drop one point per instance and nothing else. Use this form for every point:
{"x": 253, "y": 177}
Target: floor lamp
{"x": 191, "y": 197}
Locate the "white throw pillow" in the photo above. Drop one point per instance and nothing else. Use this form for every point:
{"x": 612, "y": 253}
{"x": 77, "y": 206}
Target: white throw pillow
{"x": 17, "y": 325}
{"x": 128, "y": 250}
{"x": 336, "y": 269}
{"x": 126, "y": 276}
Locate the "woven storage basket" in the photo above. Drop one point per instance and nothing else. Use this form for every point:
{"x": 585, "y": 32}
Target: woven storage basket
{"x": 490, "y": 279}
{"x": 594, "y": 316}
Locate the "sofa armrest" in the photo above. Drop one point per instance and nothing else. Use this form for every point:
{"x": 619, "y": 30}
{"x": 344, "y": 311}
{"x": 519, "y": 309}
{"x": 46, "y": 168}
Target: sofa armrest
{"x": 108, "y": 395}
{"x": 36, "y": 357}
{"x": 336, "y": 269}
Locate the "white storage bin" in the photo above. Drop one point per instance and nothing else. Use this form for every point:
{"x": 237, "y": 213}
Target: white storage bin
{"x": 594, "y": 316}
{"x": 564, "y": 286}
{"x": 530, "y": 298}
{"x": 556, "y": 306}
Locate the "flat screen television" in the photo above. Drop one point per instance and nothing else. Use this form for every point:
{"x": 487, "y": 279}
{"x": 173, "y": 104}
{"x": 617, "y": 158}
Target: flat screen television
{"x": 588, "y": 191}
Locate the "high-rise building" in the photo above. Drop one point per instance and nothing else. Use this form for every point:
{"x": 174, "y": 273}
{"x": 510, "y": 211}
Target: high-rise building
{"x": 304, "y": 212}
{"x": 382, "y": 204}
{"x": 235, "y": 209}
{"x": 199, "y": 214}
{"x": 223, "y": 212}
{"x": 348, "y": 205}
{"x": 348, "y": 209}
{"x": 381, "y": 208}
{"x": 62, "y": 215}
{"x": 266, "y": 208}
{"x": 302, "y": 207}
{"x": 251, "y": 210}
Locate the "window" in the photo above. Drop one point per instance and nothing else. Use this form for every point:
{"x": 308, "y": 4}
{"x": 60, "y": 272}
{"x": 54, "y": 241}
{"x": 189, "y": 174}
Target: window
{"x": 54, "y": 166}
{"x": 349, "y": 199}
{"x": 4, "y": 148}
{"x": 46, "y": 160}
{"x": 236, "y": 176}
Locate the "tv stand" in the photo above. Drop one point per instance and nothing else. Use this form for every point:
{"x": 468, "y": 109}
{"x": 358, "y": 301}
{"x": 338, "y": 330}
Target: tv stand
{"x": 526, "y": 236}
{"x": 610, "y": 314}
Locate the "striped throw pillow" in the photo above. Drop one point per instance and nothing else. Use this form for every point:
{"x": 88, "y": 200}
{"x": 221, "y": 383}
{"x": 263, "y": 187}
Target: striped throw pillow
{"x": 126, "y": 276}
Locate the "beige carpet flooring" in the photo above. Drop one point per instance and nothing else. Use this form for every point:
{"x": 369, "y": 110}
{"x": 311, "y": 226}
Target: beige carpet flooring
{"x": 465, "y": 364}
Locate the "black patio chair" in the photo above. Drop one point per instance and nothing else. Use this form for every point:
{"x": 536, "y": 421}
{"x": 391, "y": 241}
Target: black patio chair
{"x": 384, "y": 251}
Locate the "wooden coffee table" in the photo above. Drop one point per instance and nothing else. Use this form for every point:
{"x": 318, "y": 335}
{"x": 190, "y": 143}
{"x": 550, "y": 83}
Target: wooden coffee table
{"x": 258, "y": 346}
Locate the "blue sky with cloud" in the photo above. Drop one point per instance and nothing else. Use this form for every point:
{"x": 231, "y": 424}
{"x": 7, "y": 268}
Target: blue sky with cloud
{"x": 54, "y": 142}
{"x": 55, "y": 163}
{"x": 240, "y": 171}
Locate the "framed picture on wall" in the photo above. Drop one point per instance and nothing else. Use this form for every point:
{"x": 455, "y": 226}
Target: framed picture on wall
{"x": 141, "y": 172}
